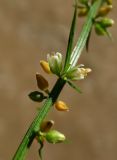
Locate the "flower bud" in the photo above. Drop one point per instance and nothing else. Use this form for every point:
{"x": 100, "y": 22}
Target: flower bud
{"x": 45, "y": 66}
{"x": 46, "y": 125}
{"x": 55, "y": 63}
{"x": 54, "y": 137}
{"x": 106, "y": 22}
{"x": 109, "y": 1}
{"x": 61, "y": 106}
{"x": 104, "y": 10}
{"x": 83, "y": 12}
{"x": 36, "y": 96}
{"x": 42, "y": 83}
{"x": 78, "y": 73}
{"x": 100, "y": 30}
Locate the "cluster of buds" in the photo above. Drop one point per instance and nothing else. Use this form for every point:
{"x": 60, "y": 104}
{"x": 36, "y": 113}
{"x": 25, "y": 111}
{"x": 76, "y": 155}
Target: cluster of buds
{"x": 102, "y": 25}
{"x": 47, "y": 134}
{"x": 54, "y": 65}
{"x": 101, "y": 21}
{"x": 83, "y": 7}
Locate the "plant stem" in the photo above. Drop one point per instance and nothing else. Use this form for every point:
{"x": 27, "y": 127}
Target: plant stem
{"x": 85, "y": 33}
{"x": 34, "y": 127}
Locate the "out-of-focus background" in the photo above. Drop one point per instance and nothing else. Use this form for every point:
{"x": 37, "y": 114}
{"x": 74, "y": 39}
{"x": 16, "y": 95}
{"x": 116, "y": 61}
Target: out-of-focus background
{"x": 28, "y": 31}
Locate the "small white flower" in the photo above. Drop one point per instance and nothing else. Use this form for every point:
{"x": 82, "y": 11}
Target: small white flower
{"x": 78, "y": 73}
{"x": 55, "y": 63}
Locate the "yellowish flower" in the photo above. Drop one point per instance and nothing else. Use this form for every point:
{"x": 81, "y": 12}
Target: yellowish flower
{"x": 104, "y": 10}
{"x": 83, "y": 12}
{"x": 61, "y": 106}
{"x": 78, "y": 73}
{"x": 109, "y": 1}
{"x": 45, "y": 66}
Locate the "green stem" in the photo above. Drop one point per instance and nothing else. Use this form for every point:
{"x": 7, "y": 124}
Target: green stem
{"x": 85, "y": 33}
{"x": 34, "y": 127}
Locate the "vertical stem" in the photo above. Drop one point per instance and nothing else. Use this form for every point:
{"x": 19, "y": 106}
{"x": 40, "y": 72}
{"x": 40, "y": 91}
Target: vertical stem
{"x": 34, "y": 127}
{"x": 85, "y": 32}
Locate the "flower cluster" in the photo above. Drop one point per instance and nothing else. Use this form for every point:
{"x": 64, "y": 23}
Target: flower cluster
{"x": 54, "y": 65}
{"x": 101, "y": 21}
{"x": 46, "y": 133}
{"x": 49, "y": 135}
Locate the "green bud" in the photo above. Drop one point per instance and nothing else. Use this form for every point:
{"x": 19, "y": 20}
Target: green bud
{"x": 54, "y": 137}
{"x": 55, "y": 63}
{"x": 36, "y": 96}
{"x": 109, "y": 1}
{"x": 83, "y": 12}
{"x": 100, "y": 30}
{"x": 106, "y": 22}
{"x": 104, "y": 10}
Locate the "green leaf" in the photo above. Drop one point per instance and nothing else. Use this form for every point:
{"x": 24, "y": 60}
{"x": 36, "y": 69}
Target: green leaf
{"x": 88, "y": 40}
{"x": 74, "y": 86}
{"x": 70, "y": 41}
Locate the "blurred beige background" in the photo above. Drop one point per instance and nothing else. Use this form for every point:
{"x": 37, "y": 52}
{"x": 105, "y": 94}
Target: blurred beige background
{"x": 28, "y": 31}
